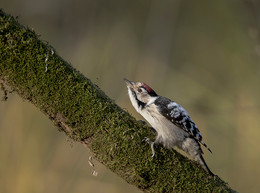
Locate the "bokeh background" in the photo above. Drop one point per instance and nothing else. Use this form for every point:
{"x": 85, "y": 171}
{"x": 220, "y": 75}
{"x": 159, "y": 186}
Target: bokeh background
{"x": 202, "y": 54}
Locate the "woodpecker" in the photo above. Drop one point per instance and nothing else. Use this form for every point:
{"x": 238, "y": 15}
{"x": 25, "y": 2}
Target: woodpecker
{"x": 172, "y": 123}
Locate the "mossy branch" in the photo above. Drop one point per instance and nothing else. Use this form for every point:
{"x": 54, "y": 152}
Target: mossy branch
{"x": 32, "y": 68}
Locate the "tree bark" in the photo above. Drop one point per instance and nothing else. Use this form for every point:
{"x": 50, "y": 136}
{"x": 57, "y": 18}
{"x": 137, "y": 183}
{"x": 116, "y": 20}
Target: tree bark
{"x": 32, "y": 68}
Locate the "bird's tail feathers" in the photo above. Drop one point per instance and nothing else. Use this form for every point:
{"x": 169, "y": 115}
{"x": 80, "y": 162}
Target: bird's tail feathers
{"x": 204, "y": 165}
{"x": 204, "y": 144}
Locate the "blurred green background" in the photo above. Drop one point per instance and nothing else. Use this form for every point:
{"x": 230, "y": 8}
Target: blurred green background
{"x": 202, "y": 54}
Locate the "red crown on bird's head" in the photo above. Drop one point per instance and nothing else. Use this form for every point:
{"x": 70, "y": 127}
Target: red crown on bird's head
{"x": 149, "y": 89}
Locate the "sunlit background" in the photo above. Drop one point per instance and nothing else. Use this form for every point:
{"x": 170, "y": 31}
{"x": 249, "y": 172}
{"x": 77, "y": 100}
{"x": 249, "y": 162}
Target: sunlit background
{"x": 202, "y": 54}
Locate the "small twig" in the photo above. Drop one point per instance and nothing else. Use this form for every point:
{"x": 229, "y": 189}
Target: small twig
{"x": 94, "y": 172}
{"x": 46, "y": 60}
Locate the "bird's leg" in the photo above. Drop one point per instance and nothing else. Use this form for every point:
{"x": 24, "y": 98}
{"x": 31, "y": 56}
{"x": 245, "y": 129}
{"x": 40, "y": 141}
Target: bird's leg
{"x": 146, "y": 139}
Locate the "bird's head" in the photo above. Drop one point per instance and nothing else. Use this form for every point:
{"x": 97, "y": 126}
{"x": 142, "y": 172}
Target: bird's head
{"x": 140, "y": 92}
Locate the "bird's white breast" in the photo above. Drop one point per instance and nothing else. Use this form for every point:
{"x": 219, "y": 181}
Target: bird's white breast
{"x": 167, "y": 133}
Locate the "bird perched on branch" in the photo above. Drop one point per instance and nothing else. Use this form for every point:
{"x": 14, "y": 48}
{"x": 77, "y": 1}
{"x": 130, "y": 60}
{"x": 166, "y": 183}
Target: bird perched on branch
{"x": 171, "y": 121}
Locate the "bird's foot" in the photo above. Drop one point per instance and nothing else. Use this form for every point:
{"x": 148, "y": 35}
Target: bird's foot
{"x": 146, "y": 139}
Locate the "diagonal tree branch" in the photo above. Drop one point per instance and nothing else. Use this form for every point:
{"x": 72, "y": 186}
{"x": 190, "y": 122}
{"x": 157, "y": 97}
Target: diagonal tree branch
{"x": 80, "y": 109}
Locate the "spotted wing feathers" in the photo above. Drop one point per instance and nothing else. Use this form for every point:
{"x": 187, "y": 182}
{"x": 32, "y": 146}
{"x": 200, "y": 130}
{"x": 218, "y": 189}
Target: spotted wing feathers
{"x": 180, "y": 117}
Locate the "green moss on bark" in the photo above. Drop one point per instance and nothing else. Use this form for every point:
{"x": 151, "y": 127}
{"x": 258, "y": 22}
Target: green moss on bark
{"x": 33, "y": 69}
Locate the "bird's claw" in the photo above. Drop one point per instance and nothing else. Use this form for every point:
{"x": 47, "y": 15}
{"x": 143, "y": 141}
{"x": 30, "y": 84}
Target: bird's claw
{"x": 146, "y": 139}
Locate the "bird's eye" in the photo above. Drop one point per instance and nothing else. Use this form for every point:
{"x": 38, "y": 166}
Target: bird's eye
{"x": 140, "y": 90}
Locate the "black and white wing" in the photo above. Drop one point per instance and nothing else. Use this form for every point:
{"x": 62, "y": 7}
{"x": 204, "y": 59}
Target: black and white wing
{"x": 179, "y": 117}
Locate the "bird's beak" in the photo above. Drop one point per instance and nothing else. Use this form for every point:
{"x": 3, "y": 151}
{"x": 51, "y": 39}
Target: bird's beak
{"x": 129, "y": 83}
